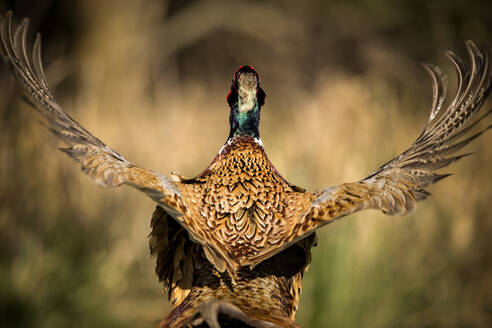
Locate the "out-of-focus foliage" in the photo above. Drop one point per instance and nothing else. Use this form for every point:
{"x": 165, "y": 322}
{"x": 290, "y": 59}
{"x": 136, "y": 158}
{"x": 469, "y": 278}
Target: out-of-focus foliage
{"x": 344, "y": 94}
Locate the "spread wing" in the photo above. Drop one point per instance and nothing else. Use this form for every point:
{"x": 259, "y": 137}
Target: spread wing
{"x": 101, "y": 163}
{"x": 397, "y": 185}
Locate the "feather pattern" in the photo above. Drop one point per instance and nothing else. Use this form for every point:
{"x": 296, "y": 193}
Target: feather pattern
{"x": 175, "y": 255}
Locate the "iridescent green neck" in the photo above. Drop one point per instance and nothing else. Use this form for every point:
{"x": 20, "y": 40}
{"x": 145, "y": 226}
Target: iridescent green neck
{"x": 245, "y": 100}
{"x": 244, "y": 123}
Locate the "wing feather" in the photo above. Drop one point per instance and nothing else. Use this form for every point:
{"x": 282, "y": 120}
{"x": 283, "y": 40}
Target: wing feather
{"x": 101, "y": 163}
{"x": 396, "y": 186}
{"x": 175, "y": 255}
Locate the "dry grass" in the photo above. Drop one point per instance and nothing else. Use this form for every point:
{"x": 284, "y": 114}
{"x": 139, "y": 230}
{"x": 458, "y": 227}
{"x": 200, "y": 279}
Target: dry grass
{"x": 75, "y": 254}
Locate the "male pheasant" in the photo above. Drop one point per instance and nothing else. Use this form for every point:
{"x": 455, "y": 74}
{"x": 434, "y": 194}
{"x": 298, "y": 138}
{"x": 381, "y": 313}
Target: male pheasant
{"x": 232, "y": 244}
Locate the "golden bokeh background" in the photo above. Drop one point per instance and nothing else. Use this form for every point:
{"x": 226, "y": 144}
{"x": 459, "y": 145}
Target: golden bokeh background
{"x": 345, "y": 93}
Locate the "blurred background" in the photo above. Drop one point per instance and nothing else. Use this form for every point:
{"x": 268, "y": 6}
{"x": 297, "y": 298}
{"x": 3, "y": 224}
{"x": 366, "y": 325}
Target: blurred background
{"x": 345, "y": 92}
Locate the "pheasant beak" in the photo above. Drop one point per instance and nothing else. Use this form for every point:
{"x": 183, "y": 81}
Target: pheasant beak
{"x": 247, "y": 86}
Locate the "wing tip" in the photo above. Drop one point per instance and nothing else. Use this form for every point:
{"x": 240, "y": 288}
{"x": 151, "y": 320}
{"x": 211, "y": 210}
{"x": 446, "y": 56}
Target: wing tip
{"x": 439, "y": 177}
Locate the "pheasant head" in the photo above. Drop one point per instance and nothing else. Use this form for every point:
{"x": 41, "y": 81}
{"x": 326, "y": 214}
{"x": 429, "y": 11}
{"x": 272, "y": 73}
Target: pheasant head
{"x": 245, "y": 99}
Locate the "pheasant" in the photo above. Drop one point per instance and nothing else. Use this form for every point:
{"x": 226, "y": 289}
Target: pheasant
{"x": 232, "y": 244}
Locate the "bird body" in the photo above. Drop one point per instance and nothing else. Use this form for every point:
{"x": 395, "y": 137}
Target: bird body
{"x": 242, "y": 200}
{"x": 232, "y": 244}
{"x": 268, "y": 294}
